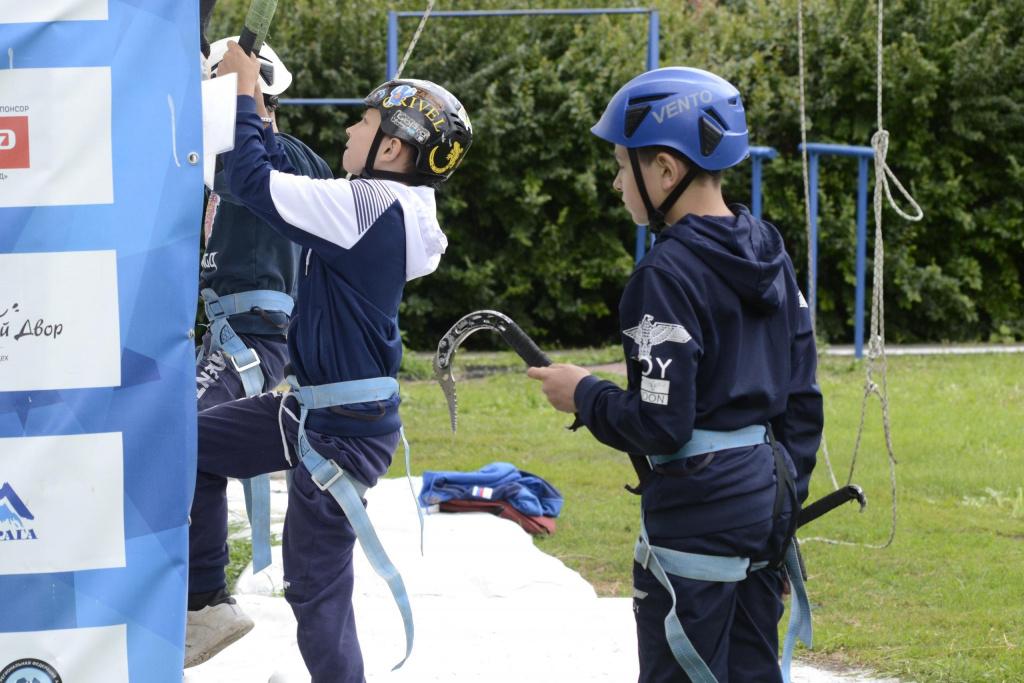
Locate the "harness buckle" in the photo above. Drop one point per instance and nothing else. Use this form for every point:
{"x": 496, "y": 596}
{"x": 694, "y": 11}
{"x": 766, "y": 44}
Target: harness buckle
{"x": 647, "y": 553}
{"x": 248, "y": 366}
{"x": 338, "y": 474}
{"x": 214, "y": 308}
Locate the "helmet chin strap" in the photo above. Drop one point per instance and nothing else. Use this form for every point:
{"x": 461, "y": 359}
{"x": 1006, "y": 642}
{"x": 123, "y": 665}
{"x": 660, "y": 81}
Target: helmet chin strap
{"x": 656, "y": 216}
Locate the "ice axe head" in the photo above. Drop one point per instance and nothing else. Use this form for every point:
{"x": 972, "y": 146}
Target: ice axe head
{"x": 467, "y": 325}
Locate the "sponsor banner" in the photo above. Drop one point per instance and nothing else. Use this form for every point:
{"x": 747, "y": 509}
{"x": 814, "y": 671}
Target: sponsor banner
{"x": 59, "y": 321}
{"x": 26, "y": 11}
{"x": 74, "y": 655}
{"x": 55, "y": 139}
{"x": 61, "y": 503}
{"x": 101, "y": 185}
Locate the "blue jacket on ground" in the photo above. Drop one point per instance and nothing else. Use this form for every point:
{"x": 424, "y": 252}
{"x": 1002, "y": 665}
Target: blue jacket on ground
{"x": 526, "y": 492}
{"x": 717, "y": 336}
{"x": 362, "y": 240}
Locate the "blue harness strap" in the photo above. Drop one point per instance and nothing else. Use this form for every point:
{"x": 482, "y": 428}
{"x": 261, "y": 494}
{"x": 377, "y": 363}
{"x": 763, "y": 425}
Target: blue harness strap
{"x": 707, "y": 441}
{"x": 348, "y": 492}
{"x": 799, "y": 610}
{"x": 662, "y": 562}
{"x": 247, "y": 363}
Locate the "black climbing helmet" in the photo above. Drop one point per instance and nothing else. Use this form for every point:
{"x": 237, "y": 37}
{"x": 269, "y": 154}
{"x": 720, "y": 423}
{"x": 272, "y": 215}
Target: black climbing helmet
{"x": 427, "y": 117}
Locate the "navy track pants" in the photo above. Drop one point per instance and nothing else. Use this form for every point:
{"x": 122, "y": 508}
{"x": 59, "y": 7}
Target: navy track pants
{"x": 241, "y": 438}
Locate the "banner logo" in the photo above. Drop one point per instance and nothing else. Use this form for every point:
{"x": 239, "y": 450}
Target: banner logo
{"x": 29, "y": 671}
{"x": 13, "y": 517}
{"x": 70, "y": 163}
{"x": 14, "y": 142}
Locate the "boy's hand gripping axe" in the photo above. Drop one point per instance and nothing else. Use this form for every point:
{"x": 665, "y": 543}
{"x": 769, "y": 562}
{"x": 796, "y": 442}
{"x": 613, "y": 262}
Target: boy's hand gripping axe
{"x": 467, "y": 325}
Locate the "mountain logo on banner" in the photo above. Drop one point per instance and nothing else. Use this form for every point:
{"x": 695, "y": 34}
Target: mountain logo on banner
{"x": 29, "y": 671}
{"x": 13, "y": 517}
{"x": 14, "y": 151}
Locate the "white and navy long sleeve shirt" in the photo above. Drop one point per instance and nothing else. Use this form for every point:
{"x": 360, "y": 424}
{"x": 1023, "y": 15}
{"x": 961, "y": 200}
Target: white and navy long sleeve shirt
{"x": 717, "y": 336}
{"x": 362, "y": 241}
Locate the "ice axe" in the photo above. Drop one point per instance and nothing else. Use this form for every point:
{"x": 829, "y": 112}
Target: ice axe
{"x": 257, "y": 23}
{"x": 467, "y": 325}
{"x": 830, "y": 502}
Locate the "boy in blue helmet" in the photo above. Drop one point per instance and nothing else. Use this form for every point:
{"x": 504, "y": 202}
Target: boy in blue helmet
{"x": 722, "y": 415}
{"x": 337, "y": 429}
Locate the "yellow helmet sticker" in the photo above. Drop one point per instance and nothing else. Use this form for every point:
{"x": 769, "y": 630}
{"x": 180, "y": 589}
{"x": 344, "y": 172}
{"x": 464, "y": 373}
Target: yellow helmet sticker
{"x": 450, "y": 160}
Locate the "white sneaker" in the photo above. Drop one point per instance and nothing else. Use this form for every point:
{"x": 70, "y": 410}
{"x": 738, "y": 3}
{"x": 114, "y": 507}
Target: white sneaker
{"x": 211, "y": 629}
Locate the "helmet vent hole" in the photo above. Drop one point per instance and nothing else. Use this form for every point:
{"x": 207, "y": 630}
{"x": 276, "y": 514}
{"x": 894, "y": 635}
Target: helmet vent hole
{"x": 634, "y": 117}
{"x": 734, "y": 101}
{"x": 647, "y": 98}
{"x": 710, "y": 136}
{"x": 710, "y": 111}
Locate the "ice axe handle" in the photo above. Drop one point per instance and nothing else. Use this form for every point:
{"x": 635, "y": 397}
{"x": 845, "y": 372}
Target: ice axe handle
{"x": 830, "y": 502}
{"x": 257, "y": 23}
{"x": 525, "y": 347}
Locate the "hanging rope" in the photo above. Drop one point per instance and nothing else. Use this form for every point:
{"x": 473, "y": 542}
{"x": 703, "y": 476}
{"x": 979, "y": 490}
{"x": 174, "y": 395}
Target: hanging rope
{"x": 876, "y": 343}
{"x": 415, "y": 38}
{"x": 812, "y": 294}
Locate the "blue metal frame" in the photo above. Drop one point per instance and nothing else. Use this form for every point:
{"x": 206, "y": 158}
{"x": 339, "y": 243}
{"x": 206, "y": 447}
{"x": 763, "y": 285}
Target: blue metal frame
{"x": 816, "y": 150}
{"x": 653, "y": 27}
{"x": 757, "y": 157}
{"x": 391, "y": 64}
{"x": 393, "y": 17}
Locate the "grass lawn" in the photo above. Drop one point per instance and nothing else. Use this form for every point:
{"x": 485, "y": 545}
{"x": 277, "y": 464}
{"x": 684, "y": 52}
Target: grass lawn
{"x": 944, "y": 603}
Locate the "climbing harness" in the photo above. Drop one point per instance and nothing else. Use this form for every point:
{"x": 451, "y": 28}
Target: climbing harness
{"x": 665, "y": 562}
{"x": 330, "y": 478}
{"x": 247, "y": 363}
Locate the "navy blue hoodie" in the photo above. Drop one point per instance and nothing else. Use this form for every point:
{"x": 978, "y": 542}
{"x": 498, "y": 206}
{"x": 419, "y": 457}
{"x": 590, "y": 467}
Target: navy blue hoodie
{"x": 717, "y": 336}
{"x": 362, "y": 240}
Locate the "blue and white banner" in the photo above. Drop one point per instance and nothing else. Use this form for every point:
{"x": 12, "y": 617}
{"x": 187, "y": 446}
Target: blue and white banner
{"x": 100, "y": 203}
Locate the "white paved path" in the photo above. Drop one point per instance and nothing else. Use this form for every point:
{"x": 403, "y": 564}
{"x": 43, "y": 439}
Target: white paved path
{"x": 489, "y": 607}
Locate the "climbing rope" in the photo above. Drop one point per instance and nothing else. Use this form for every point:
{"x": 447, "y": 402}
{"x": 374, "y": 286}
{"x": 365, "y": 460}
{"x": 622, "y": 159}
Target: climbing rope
{"x": 876, "y": 344}
{"x": 415, "y": 38}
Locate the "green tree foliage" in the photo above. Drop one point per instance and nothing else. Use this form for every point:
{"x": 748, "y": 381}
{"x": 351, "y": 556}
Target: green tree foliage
{"x": 535, "y": 230}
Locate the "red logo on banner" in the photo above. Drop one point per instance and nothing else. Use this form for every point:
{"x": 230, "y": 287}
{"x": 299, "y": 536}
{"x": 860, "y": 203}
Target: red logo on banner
{"x": 14, "y": 142}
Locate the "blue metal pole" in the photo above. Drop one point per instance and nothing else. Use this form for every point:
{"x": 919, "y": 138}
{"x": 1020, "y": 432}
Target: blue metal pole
{"x": 862, "y": 210}
{"x": 812, "y": 276}
{"x": 641, "y": 242}
{"x": 526, "y": 12}
{"x": 315, "y": 101}
{"x": 755, "y": 187}
{"x": 392, "y": 58}
{"x": 757, "y": 156}
{"x": 653, "y": 27}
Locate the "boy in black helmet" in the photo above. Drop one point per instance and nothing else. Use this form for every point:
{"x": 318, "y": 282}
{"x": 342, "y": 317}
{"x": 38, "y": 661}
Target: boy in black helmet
{"x": 722, "y": 414}
{"x": 362, "y": 240}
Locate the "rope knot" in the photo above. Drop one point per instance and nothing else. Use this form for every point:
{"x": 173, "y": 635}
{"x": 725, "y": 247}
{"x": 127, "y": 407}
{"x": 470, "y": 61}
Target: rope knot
{"x": 883, "y": 174}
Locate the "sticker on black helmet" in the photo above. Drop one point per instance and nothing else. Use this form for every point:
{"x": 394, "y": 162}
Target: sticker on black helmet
{"x": 450, "y": 161}
{"x": 465, "y": 118}
{"x": 407, "y": 125}
{"x": 398, "y": 94}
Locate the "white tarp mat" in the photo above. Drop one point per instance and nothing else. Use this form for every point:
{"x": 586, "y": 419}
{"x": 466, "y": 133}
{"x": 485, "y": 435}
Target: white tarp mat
{"x": 488, "y": 606}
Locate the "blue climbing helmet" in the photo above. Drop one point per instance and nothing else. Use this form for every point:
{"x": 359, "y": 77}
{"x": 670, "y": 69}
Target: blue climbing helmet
{"x": 691, "y": 111}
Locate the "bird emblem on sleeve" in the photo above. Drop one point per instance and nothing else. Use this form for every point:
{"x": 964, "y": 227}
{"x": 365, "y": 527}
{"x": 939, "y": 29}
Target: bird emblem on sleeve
{"x": 649, "y": 334}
